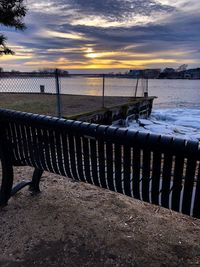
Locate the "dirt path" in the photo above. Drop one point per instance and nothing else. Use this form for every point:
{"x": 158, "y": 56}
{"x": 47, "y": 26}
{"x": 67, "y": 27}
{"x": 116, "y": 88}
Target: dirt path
{"x": 73, "y": 224}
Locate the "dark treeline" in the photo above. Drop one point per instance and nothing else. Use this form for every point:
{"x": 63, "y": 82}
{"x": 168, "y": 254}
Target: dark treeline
{"x": 168, "y": 73}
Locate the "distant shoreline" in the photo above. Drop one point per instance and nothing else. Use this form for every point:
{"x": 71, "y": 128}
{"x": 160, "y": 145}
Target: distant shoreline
{"x": 42, "y": 75}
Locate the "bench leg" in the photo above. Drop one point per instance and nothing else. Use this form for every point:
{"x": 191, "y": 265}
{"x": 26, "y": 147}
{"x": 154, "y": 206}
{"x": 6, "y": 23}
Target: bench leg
{"x": 34, "y": 186}
{"x": 7, "y": 182}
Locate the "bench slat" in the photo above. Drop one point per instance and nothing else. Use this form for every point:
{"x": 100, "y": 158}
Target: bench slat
{"x": 156, "y": 177}
{"x": 136, "y": 172}
{"x": 118, "y": 166}
{"x": 65, "y": 153}
{"x": 94, "y": 162}
{"x": 79, "y": 155}
{"x": 156, "y": 169}
{"x": 196, "y": 209}
{"x": 178, "y": 175}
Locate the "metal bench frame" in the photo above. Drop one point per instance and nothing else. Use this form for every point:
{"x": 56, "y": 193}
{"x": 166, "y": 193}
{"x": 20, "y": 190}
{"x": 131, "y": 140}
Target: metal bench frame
{"x": 157, "y": 169}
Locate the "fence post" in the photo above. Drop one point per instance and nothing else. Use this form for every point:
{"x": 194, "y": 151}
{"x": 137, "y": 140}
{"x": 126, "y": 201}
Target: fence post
{"x": 42, "y": 89}
{"x": 103, "y": 91}
{"x": 147, "y": 88}
{"x": 58, "y": 102}
{"x": 136, "y": 87}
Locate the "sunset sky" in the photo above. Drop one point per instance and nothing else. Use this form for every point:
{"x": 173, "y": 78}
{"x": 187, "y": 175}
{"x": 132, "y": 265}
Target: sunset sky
{"x": 106, "y": 34}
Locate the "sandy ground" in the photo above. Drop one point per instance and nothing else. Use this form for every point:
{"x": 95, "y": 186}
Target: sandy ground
{"x": 72, "y": 224}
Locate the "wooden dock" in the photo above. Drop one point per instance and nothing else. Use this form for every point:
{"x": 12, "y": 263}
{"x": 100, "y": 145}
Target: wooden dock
{"x": 139, "y": 107}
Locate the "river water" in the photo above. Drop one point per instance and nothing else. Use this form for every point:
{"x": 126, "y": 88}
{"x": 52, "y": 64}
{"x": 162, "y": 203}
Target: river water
{"x": 176, "y": 111}
{"x": 170, "y": 93}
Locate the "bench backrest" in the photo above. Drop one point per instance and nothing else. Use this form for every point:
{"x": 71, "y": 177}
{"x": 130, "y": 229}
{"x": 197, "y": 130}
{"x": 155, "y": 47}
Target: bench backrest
{"x": 157, "y": 169}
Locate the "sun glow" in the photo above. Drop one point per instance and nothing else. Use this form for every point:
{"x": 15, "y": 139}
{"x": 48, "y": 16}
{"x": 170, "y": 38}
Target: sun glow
{"x": 106, "y": 55}
{"x": 91, "y": 55}
{"x": 91, "y": 58}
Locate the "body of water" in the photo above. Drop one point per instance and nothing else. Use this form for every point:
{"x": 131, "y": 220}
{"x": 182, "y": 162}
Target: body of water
{"x": 178, "y": 122}
{"x": 176, "y": 110}
{"x": 170, "y": 93}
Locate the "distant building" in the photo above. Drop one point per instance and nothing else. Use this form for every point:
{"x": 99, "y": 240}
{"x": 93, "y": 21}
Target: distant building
{"x": 169, "y": 70}
{"x": 146, "y": 73}
{"x": 151, "y": 73}
{"x": 167, "y": 73}
{"x": 192, "y": 74}
{"x": 135, "y": 73}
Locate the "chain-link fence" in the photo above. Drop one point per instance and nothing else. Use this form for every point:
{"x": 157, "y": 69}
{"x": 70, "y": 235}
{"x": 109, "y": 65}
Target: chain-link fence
{"x": 58, "y": 94}
{"x": 27, "y": 82}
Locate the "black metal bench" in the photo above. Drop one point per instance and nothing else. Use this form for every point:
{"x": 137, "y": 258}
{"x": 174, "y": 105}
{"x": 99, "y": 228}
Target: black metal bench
{"x": 157, "y": 169}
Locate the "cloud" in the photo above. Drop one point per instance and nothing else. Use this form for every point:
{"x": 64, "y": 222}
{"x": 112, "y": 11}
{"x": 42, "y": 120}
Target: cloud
{"x": 93, "y": 33}
{"x": 114, "y": 13}
{"x": 107, "y": 13}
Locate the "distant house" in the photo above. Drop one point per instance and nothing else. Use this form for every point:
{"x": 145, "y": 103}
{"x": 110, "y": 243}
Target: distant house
{"x": 151, "y": 73}
{"x": 192, "y": 74}
{"x": 146, "y": 73}
{"x": 167, "y": 73}
{"x": 135, "y": 73}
